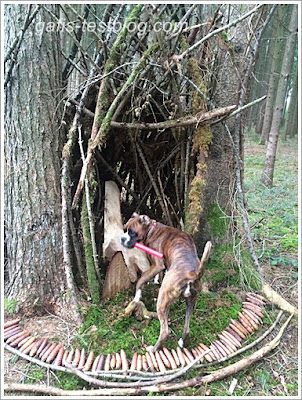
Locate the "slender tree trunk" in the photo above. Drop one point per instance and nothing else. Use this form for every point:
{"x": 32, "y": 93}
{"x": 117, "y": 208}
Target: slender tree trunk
{"x": 259, "y": 83}
{"x": 277, "y": 55}
{"x": 293, "y": 131}
{"x": 33, "y": 143}
{"x": 269, "y": 164}
{"x": 291, "y": 116}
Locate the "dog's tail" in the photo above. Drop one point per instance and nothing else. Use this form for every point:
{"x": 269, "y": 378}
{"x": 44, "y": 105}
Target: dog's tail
{"x": 204, "y": 258}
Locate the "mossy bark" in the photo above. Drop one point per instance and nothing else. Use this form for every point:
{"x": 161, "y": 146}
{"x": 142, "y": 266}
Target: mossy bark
{"x": 90, "y": 268}
{"x": 201, "y": 141}
{"x": 105, "y": 126}
{"x": 112, "y": 62}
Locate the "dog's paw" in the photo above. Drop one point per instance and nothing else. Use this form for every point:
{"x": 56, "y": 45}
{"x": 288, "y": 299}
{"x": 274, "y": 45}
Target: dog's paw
{"x": 130, "y": 308}
{"x": 181, "y": 343}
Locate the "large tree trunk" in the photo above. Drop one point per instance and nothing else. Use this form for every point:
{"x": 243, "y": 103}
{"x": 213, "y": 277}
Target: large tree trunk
{"x": 269, "y": 164}
{"x": 33, "y": 143}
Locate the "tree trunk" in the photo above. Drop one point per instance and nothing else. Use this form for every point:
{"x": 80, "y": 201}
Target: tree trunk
{"x": 258, "y": 84}
{"x": 293, "y": 131}
{"x": 33, "y": 143}
{"x": 291, "y": 117}
{"x": 277, "y": 55}
{"x": 269, "y": 164}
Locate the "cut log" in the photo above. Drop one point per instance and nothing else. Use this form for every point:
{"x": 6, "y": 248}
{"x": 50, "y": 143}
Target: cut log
{"x": 124, "y": 264}
{"x": 117, "y": 276}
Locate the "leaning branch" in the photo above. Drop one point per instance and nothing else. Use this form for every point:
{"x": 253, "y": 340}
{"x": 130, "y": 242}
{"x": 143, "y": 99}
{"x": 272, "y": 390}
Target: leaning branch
{"x": 89, "y": 214}
{"x": 200, "y": 118}
{"x": 66, "y": 192}
{"x": 18, "y": 39}
{"x": 100, "y": 137}
{"x": 221, "y": 29}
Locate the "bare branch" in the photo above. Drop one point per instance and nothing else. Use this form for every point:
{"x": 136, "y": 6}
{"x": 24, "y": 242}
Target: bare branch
{"x": 200, "y": 118}
{"x": 72, "y": 36}
{"x": 18, "y": 40}
{"x": 89, "y": 212}
{"x": 159, "y": 197}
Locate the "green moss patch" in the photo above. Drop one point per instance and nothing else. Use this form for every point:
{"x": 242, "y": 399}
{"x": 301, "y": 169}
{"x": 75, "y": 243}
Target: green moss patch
{"x": 217, "y": 220}
{"x": 108, "y": 330}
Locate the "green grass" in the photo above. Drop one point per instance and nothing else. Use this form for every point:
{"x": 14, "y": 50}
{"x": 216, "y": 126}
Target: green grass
{"x": 273, "y": 212}
{"x": 107, "y": 330}
{"x": 10, "y": 305}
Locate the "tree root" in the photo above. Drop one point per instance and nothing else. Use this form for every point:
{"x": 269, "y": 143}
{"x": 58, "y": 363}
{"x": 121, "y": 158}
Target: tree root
{"x": 278, "y": 300}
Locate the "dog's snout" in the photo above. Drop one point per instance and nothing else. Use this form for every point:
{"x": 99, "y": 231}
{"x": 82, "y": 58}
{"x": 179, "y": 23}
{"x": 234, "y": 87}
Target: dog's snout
{"x": 124, "y": 240}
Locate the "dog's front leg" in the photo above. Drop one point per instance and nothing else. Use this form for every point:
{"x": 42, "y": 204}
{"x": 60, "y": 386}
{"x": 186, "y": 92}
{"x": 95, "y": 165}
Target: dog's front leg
{"x": 146, "y": 277}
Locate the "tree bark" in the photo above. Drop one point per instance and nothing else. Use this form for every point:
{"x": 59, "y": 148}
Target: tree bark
{"x": 269, "y": 164}
{"x": 33, "y": 144}
{"x": 291, "y": 122}
{"x": 278, "y": 46}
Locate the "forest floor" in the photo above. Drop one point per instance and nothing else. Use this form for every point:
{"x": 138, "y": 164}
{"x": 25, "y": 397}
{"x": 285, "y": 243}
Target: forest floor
{"x": 273, "y": 217}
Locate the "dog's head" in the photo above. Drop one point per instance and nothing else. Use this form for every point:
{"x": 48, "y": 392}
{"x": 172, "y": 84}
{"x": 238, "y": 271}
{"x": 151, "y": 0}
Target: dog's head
{"x": 135, "y": 230}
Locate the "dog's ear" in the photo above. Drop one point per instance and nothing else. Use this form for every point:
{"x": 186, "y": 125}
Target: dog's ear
{"x": 144, "y": 219}
{"x": 135, "y": 215}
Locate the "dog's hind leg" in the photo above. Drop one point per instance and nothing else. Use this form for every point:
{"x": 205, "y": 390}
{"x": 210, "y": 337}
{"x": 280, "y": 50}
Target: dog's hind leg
{"x": 190, "y": 305}
{"x": 165, "y": 299}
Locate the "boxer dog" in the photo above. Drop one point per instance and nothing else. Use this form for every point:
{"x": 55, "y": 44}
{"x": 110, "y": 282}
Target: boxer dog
{"x": 184, "y": 270}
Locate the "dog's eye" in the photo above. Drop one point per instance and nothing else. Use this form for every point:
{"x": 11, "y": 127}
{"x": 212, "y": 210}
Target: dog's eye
{"x": 132, "y": 232}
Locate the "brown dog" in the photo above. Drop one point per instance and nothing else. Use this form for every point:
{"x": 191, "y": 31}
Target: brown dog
{"x": 184, "y": 270}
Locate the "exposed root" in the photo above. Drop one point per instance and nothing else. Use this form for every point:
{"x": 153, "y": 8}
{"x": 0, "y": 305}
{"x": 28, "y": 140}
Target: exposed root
{"x": 278, "y": 300}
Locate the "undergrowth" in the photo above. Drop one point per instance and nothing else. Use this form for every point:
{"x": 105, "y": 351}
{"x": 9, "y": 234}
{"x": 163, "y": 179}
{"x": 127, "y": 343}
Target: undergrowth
{"x": 273, "y": 212}
{"x": 107, "y": 330}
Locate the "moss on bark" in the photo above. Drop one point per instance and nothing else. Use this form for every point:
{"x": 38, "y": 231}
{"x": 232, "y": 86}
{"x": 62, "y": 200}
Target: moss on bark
{"x": 201, "y": 141}
{"x": 90, "y": 269}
